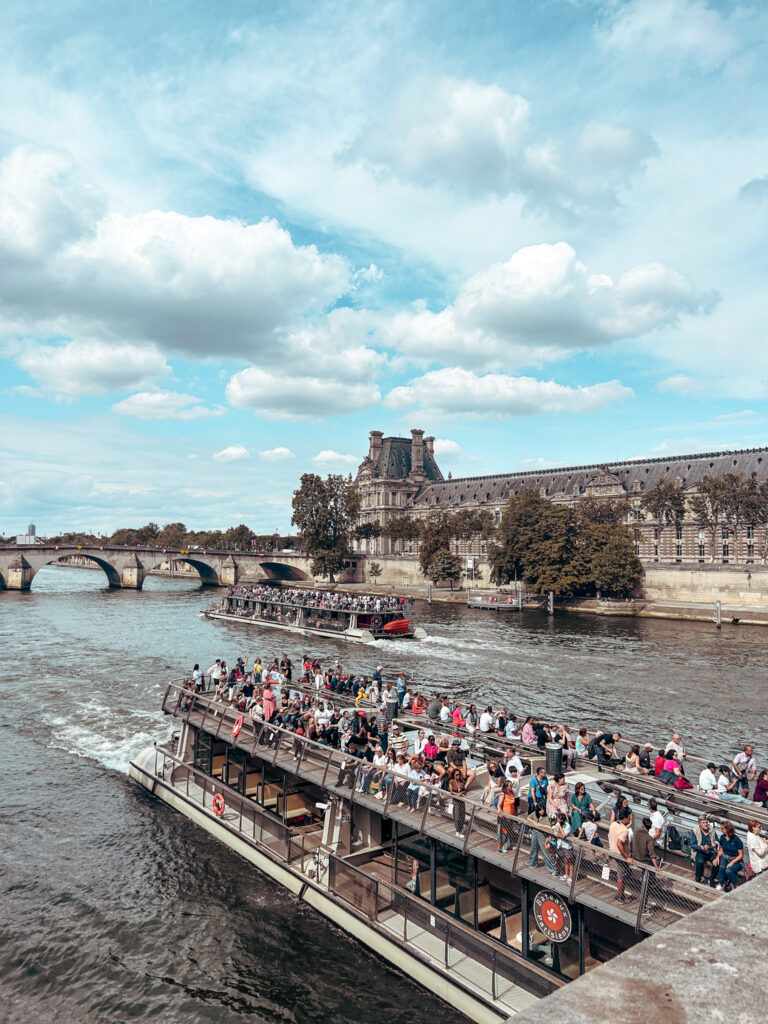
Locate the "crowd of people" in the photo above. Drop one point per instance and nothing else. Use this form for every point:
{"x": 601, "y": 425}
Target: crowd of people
{"x": 434, "y": 765}
{"x": 333, "y": 601}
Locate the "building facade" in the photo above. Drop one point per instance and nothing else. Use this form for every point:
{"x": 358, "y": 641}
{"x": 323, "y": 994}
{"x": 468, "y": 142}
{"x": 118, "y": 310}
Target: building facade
{"x": 400, "y": 476}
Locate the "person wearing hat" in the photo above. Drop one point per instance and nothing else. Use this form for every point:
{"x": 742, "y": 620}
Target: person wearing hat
{"x": 645, "y": 757}
{"x": 397, "y": 741}
{"x": 708, "y": 779}
{"x": 456, "y": 759}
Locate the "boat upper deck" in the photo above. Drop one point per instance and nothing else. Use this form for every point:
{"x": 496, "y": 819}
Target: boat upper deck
{"x": 656, "y": 898}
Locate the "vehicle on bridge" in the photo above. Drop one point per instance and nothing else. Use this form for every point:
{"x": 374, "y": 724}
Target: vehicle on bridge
{"x": 356, "y": 622}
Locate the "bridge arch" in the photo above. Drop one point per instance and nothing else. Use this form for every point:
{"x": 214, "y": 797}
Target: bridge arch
{"x": 282, "y": 571}
{"x": 112, "y": 574}
{"x": 208, "y": 575}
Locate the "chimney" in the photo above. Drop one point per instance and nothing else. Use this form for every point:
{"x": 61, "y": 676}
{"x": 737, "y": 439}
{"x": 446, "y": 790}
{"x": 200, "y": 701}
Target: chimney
{"x": 417, "y": 452}
{"x": 375, "y": 444}
{"x": 429, "y": 444}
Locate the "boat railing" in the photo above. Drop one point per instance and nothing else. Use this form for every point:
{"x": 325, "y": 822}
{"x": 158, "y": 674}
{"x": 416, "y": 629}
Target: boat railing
{"x": 410, "y": 918}
{"x": 657, "y": 897}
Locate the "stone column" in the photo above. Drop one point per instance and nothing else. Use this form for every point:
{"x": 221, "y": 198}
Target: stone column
{"x": 228, "y": 575}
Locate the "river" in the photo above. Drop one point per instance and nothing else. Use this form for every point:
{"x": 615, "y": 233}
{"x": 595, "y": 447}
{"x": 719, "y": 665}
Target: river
{"x": 117, "y": 908}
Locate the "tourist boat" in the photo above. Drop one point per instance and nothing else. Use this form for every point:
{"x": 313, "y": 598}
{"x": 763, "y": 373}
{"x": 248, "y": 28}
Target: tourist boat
{"x": 458, "y": 897}
{"x": 244, "y": 604}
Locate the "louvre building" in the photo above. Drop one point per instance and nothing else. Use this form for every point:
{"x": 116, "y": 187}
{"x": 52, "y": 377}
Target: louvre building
{"x": 400, "y": 476}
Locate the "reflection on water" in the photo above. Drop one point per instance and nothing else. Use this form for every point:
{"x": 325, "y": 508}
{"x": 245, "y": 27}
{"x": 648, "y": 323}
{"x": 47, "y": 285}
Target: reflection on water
{"x": 117, "y": 907}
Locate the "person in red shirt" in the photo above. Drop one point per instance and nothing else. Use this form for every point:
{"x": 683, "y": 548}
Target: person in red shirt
{"x": 658, "y": 765}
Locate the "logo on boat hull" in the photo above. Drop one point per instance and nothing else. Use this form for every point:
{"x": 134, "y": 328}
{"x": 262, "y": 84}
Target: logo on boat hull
{"x": 552, "y": 915}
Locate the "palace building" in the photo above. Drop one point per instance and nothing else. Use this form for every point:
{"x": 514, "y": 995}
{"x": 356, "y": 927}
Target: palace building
{"x": 400, "y": 476}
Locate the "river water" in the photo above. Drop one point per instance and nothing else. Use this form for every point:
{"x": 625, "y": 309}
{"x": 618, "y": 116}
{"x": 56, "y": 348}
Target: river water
{"x": 117, "y": 908}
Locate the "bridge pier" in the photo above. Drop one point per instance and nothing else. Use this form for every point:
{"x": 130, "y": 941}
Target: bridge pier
{"x": 19, "y": 575}
{"x": 228, "y": 574}
{"x": 132, "y": 574}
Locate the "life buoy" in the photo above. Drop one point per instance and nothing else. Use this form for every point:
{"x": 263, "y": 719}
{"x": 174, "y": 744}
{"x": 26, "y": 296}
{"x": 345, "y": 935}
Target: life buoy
{"x": 218, "y": 804}
{"x": 237, "y": 726}
{"x": 376, "y": 621}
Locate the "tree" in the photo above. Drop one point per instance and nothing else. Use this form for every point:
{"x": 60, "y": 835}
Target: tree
{"x": 367, "y": 531}
{"x": 666, "y": 503}
{"x": 708, "y": 506}
{"x": 172, "y": 535}
{"x": 325, "y": 512}
{"x": 404, "y": 528}
{"x": 468, "y": 523}
{"x": 237, "y": 537}
{"x": 374, "y": 571}
{"x": 444, "y": 565}
{"x": 602, "y": 510}
{"x": 506, "y": 553}
{"x": 615, "y": 568}
{"x": 435, "y": 536}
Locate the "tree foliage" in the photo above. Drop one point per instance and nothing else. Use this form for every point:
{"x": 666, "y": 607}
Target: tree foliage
{"x": 563, "y": 549}
{"x": 374, "y": 571}
{"x": 443, "y": 565}
{"x": 404, "y": 528}
{"x": 435, "y": 536}
{"x": 367, "y": 531}
{"x": 325, "y": 512}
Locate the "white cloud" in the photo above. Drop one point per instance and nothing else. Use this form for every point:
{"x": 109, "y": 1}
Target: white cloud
{"x": 277, "y": 454}
{"x": 541, "y": 301}
{"x": 234, "y": 453}
{"x": 538, "y": 463}
{"x": 445, "y": 447}
{"x": 675, "y": 30}
{"x": 292, "y": 396}
{"x": 743, "y": 416}
{"x": 328, "y": 457}
{"x": 454, "y": 391}
{"x": 165, "y": 405}
{"x": 89, "y": 367}
{"x": 476, "y": 139}
{"x": 188, "y": 284}
{"x": 680, "y": 384}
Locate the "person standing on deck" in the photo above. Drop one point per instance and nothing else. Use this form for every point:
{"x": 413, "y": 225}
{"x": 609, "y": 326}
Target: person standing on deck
{"x": 745, "y": 768}
{"x": 618, "y": 843}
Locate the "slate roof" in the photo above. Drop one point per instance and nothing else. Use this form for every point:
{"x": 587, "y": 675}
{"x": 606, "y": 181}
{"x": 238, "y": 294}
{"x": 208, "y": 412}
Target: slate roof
{"x": 575, "y": 481}
{"x": 394, "y": 461}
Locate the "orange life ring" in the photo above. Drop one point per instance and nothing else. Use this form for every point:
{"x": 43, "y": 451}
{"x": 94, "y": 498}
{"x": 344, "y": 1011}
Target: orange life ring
{"x": 237, "y": 726}
{"x": 218, "y": 804}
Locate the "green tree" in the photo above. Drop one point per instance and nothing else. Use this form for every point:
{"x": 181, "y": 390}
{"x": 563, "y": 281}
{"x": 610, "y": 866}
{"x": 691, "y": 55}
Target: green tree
{"x": 444, "y": 565}
{"x": 602, "y": 511}
{"x": 238, "y": 537}
{"x": 468, "y": 523}
{"x": 325, "y": 512}
{"x": 172, "y": 535}
{"x": 665, "y": 503}
{"x": 709, "y": 506}
{"x": 367, "y": 531}
{"x": 374, "y": 571}
{"x": 506, "y": 553}
{"x": 435, "y": 536}
{"x": 614, "y": 567}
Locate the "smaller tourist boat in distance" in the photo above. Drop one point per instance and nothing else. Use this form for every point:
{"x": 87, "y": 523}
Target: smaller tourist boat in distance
{"x": 356, "y": 618}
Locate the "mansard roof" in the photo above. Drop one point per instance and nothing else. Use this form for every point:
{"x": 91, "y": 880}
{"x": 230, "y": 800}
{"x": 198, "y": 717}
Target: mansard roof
{"x": 394, "y": 461}
{"x": 572, "y": 482}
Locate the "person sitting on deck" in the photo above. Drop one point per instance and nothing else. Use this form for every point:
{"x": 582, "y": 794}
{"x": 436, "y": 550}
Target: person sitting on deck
{"x": 494, "y": 784}
{"x": 708, "y": 779}
{"x": 757, "y": 847}
{"x": 704, "y": 848}
{"x": 457, "y": 759}
{"x": 730, "y": 858}
{"x": 487, "y": 720}
{"x": 727, "y": 787}
{"x": 605, "y": 748}
{"x": 760, "y": 795}
{"x": 433, "y": 709}
{"x": 658, "y": 764}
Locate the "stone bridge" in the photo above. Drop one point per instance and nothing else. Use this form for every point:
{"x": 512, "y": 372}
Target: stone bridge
{"x": 127, "y": 567}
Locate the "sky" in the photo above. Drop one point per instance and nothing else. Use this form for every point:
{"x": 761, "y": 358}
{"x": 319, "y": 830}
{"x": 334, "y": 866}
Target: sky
{"x": 235, "y": 237}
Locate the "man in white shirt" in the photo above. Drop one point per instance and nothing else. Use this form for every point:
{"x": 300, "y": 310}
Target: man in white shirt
{"x": 486, "y": 720}
{"x": 511, "y": 730}
{"x": 707, "y": 778}
{"x": 745, "y": 768}
{"x": 676, "y": 744}
{"x": 215, "y": 671}
{"x": 658, "y": 825}
{"x": 512, "y": 763}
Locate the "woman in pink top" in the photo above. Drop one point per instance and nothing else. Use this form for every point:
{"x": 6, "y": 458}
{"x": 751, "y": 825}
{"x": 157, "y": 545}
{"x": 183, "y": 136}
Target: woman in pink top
{"x": 457, "y": 719}
{"x": 270, "y": 702}
{"x": 529, "y": 736}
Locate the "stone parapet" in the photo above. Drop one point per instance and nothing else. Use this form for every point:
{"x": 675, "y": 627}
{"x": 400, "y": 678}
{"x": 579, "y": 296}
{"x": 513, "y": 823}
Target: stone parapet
{"x": 704, "y": 968}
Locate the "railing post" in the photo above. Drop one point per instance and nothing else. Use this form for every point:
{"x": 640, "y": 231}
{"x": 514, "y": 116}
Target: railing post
{"x": 469, "y": 829}
{"x": 518, "y": 848}
{"x": 642, "y": 898}
{"x": 327, "y": 766}
{"x": 447, "y": 940}
{"x": 493, "y": 974}
{"x": 576, "y": 869}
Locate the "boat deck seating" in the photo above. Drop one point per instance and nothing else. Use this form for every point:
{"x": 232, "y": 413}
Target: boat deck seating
{"x": 297, "y": 806}
{"x": 270, "y": 794}
{"x": 252, "y": 783}
{"x": 218, "y": 765}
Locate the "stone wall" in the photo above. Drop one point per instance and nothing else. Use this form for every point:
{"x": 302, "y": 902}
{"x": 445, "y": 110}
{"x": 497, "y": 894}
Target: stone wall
{"x": 740, "y": 585}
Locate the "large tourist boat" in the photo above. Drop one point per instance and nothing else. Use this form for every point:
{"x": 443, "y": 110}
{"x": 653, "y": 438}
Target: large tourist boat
{"x": 360, "y": 621}
{"x": 486, "y": 910}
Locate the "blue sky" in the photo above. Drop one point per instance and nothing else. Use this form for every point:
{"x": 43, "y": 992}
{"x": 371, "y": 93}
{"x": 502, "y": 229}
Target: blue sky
{"x": 235, "y": 237}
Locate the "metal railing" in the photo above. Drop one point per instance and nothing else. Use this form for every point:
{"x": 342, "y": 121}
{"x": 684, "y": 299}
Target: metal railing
{"x": 651, "y": 899}
{"x": 427, "y": 929}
